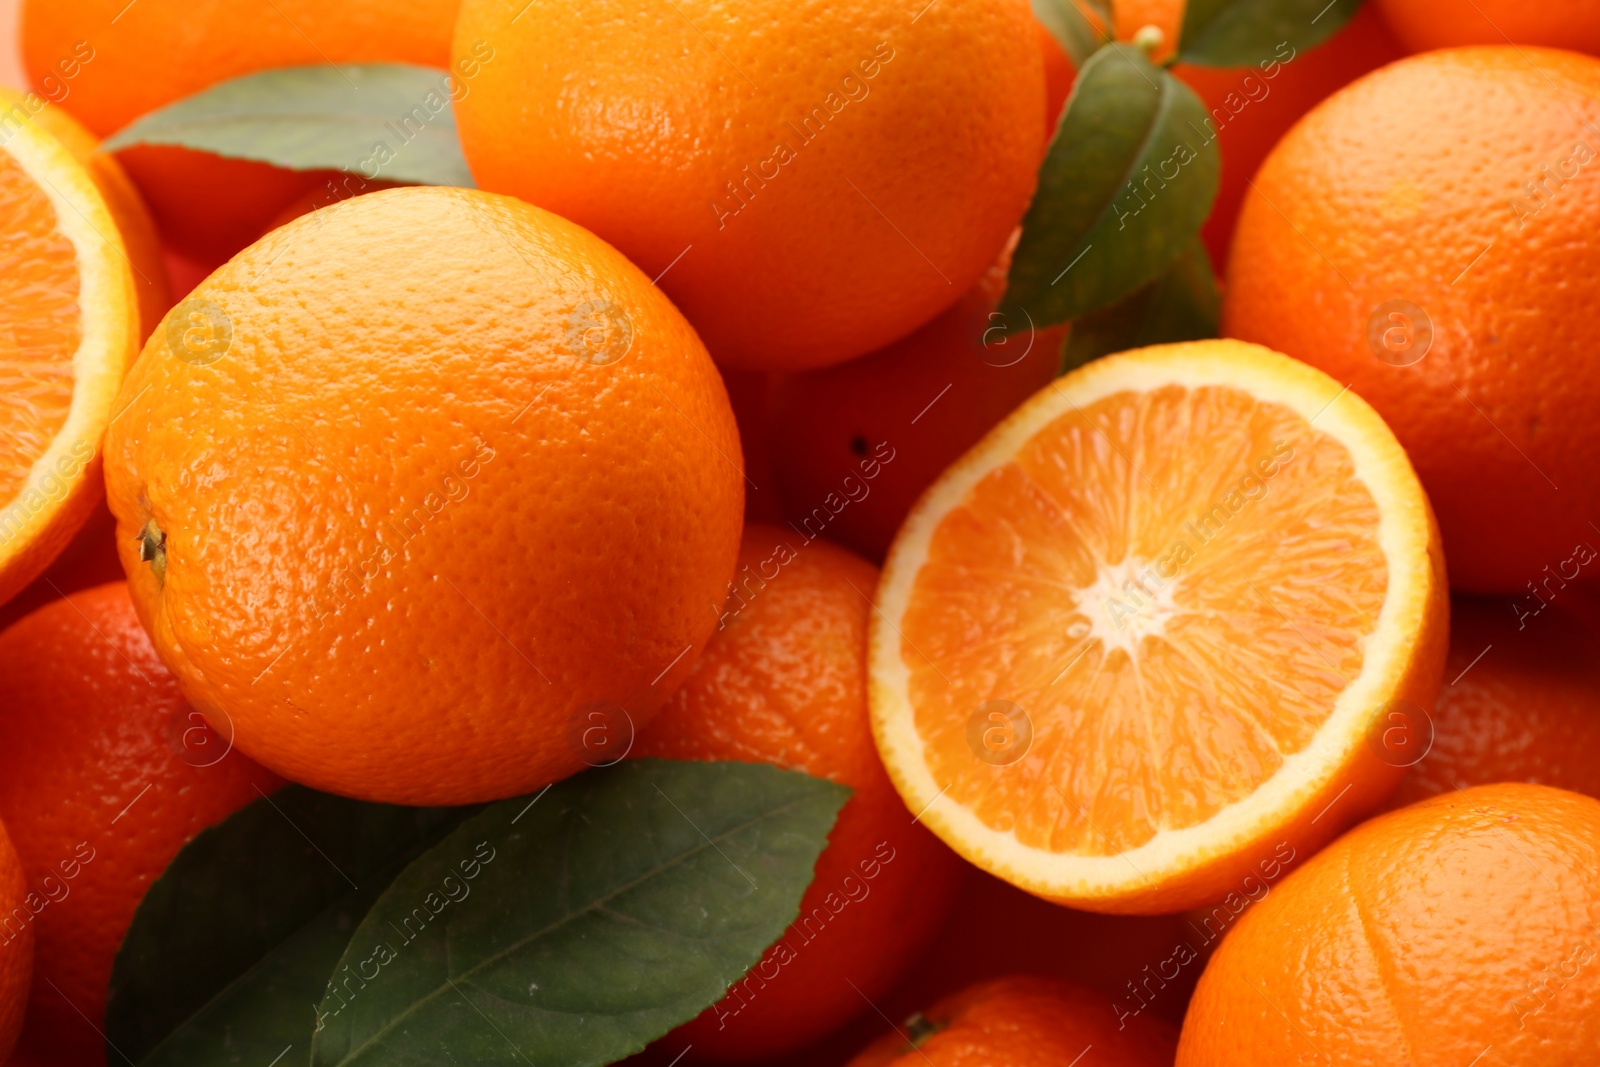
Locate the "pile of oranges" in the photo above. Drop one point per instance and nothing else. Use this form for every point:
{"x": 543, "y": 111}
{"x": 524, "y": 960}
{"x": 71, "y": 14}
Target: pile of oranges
{"x": 1229, "y": 700}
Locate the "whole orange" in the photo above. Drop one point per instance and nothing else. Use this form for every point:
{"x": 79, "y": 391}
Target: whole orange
{"x": 1427, "y": 24}
{"x": 16, "y": 946}
{"x": 853, "y": 446}
{"x": 105, "y": 772}
{"x": 109, "y": 62}
{"x": 1520, "y": 703}
{"x": 784, "y": 681}
{"x": 1021, "y": 1021}
{"x": 413, "y": 483}
{"x": 807, "y": 181}
{"x": 1424, "y": 236}
{"x": 1462, "y": 929}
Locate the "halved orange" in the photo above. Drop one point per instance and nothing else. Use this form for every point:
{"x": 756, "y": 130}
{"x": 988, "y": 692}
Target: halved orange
{"x": 69, "y": 324}
{"x": 1146, "y": 643}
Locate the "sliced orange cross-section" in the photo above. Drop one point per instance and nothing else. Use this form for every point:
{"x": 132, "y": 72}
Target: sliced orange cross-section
{"x": 69, "y": 325}
{"x": 1152, "y": 637}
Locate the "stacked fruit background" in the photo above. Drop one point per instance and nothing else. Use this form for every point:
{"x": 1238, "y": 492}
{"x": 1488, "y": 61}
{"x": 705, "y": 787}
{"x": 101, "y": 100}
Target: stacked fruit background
{"x": 949, "y": 532}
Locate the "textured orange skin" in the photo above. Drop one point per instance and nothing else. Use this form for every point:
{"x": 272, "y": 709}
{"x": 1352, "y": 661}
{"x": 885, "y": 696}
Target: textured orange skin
{"x": 1429, "y": 24}
{"x": 1401, "y": 187}
{"x": 92, "y": 721}
{"x": 123, "y": 201}
{"x": 160, "y": 50}
{"x": 401, "y": 480}
{"x": 1256, "y": 111}
{"x": 786, "y": 683}
{"x": 825, "y": 423}
{"x": 16, "y": 950}
{"x": 1413, "y": 939}
{"x": 941, "y": 145}
{"x": 1518, "y": 704}
{"x": 1025, "y": 1021}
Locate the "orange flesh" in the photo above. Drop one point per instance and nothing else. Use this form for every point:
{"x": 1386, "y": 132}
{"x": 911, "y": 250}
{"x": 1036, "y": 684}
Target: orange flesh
{"x": 1151, "y": 708}
{"x": 39, "y": 329}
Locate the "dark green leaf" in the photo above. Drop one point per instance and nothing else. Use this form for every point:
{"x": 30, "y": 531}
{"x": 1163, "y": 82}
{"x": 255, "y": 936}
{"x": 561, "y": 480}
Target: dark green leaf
{"x": 1181, "y": 305}
{"x": 257, "y": 907}
{"x": 268, "y": 1014}
{"x": 1126, "y": 184}
{"x": 389, "y": 121}
{"x": 1247, "y": 33}
{"x": 1072, "y": 30}
{"x": 570, "y": 929}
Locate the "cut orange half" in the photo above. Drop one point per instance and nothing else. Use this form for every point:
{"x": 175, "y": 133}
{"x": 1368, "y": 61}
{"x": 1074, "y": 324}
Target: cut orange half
{"x": 1165, "y": 629}
{"x": 68, "y": 332}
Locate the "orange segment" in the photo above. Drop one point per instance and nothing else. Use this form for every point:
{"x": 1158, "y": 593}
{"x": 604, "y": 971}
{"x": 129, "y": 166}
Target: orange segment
{"x": 68, "y": 325}
{"x": 1149, "y": 620}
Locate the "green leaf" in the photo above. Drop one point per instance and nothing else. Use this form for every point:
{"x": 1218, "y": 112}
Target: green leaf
{"x": 1125, "y": 185}
{"x": 1181, "y": 305}
{"x": 257, "y": 907}
{"x": 1072, "y": 30}
{"x": 268, "y": 1014}
{"x": 388, "y": 121}
{"x": 573, "y": 928}
{"x": 1246, "y": 33}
